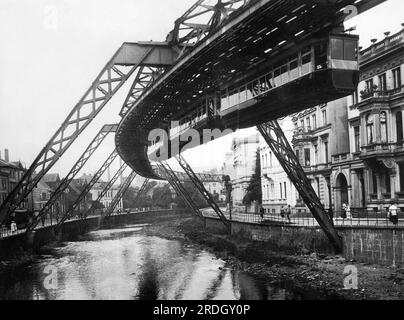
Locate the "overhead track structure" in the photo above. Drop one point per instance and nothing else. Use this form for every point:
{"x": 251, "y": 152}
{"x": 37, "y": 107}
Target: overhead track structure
{"x": 276, "y": 140}
{"x": 127, "y": 59}
{"x": 67, "y": 215}
{"x": 220, "y": 52}
{"x": 175, "y": 182}
{"x": 122, "y": 190}
{"x": 205, "y": 193}
{"x": 64, "y": 184}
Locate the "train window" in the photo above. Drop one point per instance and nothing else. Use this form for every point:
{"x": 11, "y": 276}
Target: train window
{"x": 277, "y": 77}
{"x": 350, "y": 50}
{"x": 243, "y": 94}
{"x": 264, "y": 84}
{"x": 284, "y": 74}
{"x": 256, "y": 87}
{"x": 270, "y": 80}
{"x": 294, "y": 70}
{"x": 337, "y": 49}
{"x": 249, "y": 91}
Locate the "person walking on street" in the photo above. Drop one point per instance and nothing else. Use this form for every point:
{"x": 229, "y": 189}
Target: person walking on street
{"x": 348, "y": 212}
{"x": 262, "y": 213}
{"x": 13, "y": 227}
{"x": 393, "y": 213}
{"x": 288, "y": 212}
{"x": 343, "y": 213}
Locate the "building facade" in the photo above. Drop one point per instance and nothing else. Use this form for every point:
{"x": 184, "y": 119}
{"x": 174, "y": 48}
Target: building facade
{"x": 277, "y": 189}
{"x": 319, "y": 134}
{"x": 10, "y": 174}
{"x": 244, "y": 152}
{"x": 371, "y": 175}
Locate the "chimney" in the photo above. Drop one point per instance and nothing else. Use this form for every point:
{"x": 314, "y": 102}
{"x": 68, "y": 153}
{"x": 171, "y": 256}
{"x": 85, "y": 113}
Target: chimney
{"x": 6, "y": 158}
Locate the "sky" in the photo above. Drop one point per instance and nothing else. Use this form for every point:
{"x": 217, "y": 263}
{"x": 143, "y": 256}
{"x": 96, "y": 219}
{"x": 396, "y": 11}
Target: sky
{"x": 51, "y": 51}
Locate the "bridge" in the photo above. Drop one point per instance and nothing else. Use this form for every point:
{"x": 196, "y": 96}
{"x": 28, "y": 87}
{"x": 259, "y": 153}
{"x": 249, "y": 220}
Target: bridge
{"x": 225, "y": 65}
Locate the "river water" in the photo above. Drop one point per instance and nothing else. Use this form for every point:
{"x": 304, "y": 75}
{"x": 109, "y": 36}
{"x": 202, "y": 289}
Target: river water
{"x": 126, "y": 264}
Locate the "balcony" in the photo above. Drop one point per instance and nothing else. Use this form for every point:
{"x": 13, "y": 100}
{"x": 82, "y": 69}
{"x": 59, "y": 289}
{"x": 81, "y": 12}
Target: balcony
{"x": 324, "y": 167}
{"x": 395, "y": 40}
{"x": 371, "y": 96}
{"x": 381, "y": 149}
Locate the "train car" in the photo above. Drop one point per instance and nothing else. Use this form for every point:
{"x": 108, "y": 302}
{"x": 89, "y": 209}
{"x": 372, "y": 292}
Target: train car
{"x": 324, "y": 70}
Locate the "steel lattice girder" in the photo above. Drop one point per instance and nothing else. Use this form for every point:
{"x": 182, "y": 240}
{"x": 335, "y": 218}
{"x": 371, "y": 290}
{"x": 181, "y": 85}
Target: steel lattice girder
{"x": 123, "y": 188}
{"x": 205, "y": 193}
{"x": 108, "y": 186}
{"x": 64, "y": 184}
{"x": 182, "y": 176}
{"x": 119, "y": 68}
{"x": 175, "y": 182}
{"x": 276, "y": 140}
{"x": 88, "y": 187}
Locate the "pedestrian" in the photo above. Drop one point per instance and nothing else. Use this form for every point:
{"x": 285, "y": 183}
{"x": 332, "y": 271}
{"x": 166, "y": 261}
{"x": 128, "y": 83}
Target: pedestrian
{"x": 262, "y": 213}
{"x": 282, "y": 212}
{"x": 13, "y": 227}
{"x": 343, "y": 212}
{"x": 348, "y": 212}
{"x": 393, "y": 213}
{"x": 288, "y": 211}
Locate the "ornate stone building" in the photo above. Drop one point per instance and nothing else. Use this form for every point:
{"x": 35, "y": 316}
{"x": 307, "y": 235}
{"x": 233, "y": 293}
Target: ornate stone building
{"x": 371, "y": 175}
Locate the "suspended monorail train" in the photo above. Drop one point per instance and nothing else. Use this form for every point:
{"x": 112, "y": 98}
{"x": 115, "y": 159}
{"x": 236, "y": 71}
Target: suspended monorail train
{"x": 322, "y": 71}
{"x": 314, "y": 72}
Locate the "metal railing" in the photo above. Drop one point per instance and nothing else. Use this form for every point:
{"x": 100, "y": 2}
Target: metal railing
{"x": 357, "y": 218}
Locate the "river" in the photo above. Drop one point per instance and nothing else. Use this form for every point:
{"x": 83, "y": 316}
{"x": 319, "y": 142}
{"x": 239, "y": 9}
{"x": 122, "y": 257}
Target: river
{"x": 124, "y": 263}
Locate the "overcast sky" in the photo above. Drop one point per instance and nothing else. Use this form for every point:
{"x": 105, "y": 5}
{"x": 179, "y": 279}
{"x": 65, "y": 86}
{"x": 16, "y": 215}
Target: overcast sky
{"x": 51, "y": 51}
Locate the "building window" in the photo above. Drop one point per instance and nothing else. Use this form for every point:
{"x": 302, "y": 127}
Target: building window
{"x": 383, "y": 126}
{"x": 374, "y": 183}
{"x": 401, "y": 168}
{"x": 270, "y": 159}
{"x": 314, "y": 120}
{"x": 399, "y": 126}
{"x": 369, "y": 128}
{"x": 298, "y": 155}
{"x": 382, "y": 82}
{"x": 357, "y": 139}
{"x": 316, "y": 154}
{"x": 326, "y": 151}
{"x": 284, "y": 185}
{"x": 302, "y": 124}
{"x": 397, "y": 78}
{"x": 307, "y": 157}
{"x": 369, "y": 85}
{"x": 325, "y": 121}
{"x": 280, "y": 188}
{"x": 308, "y": 123}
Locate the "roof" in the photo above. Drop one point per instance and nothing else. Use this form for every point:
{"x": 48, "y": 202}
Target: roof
{"x": 51, "y": 177}
{"x": 13, "y": 165}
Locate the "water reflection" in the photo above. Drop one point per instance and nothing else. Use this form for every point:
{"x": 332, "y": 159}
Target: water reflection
{"x": 124, "y": 264}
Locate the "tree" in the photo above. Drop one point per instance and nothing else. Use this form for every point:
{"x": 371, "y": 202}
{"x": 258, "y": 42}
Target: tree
{"x": 196, "y": 196}
{"x": 254, "y": 192}
{"x": 97, "y": 205}
{"x": 162, "y": 196}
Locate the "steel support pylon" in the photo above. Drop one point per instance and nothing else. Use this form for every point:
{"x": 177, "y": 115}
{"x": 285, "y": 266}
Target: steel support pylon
{"x": 205, "y": 193}
{"x": 87, "y": 188}
{"x": 64, "y": 184}
{"x": 276, "y": 140}
{"x": 175, "y": 182}
{"x": 122, "y": 189}
{"x": 108, "y": 186}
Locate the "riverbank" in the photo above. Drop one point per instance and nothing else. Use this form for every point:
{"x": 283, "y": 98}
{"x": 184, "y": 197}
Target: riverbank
{"x": 311, "y": 271}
